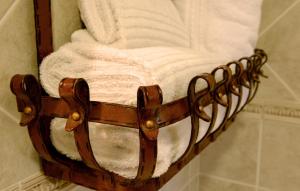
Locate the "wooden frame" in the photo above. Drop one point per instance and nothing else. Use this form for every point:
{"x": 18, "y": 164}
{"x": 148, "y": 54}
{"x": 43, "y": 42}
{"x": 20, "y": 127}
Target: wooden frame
{"x": 149, "y": 116}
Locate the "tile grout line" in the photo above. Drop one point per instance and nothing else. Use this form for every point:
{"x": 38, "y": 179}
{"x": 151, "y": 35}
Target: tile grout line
{"x": 19, "y": 185}
{"x": 275, "y": 21}
{"x": 232, "y": 181}
{"x": 264, "y": 189}
{"x": 190, "y": 175}
{"x": 187, "y": 184}
{"x": 282, "y": 81}
{"x": 7, "y": 12}
{"x": 283, "y": 119}
{"x": 199, "y": 170}
{"x": 227, "y": 180}
{"x": 259, "y": 149}
{"x": 197, "y": 183}
{"x": 9, "y": 115}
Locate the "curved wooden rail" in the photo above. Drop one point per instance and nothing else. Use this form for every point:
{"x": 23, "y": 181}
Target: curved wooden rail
{"x": 235, "y": 86}
{"x": 196, "y": 104}
{"x": 222, "y": 95}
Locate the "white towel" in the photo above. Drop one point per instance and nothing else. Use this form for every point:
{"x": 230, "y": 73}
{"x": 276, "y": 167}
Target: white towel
{"x": 117, "y": 148}
{"x": 82, "y": 35}
{"x": 110, "y": 73}
{"x": 134, "y": 23}
{"x": 114, "y": 75}
{"x": 222, "y": 26}
{"x": 221, "y": 31}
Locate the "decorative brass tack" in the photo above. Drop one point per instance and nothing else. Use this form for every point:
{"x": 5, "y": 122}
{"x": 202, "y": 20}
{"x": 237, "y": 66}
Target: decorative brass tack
{"x": 75, "y": 116}
{"x": 27, "y": 110}
{"x": 150, "y": 124}
{"x": 220, "y": 95}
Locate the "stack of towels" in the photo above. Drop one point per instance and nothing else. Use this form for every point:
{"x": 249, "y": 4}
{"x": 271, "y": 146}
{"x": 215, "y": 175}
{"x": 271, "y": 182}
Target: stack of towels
{"x": 132, "y": 43}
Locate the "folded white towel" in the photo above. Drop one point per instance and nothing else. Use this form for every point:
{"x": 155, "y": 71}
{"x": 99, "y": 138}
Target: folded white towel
{"x": 222, "y": 26}
{"x": 134, "y": 23}
{"x": 111, "y": 75}
{"x": 114, "y": 76}
{"x": 82, "y": 35}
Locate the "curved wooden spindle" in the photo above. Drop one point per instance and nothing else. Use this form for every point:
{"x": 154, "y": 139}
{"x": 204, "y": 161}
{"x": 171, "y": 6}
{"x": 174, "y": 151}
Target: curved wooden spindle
{"x": 236, "y": 86}
{"x": 222, "y": 87}
{"x": 75, "y": 92}
{"x": 197, "y": 102}
{"x": 28, "y": 95}
{"x": 222, "y": 95}
{"x": 259, "y": 59}
{"x": 149, "y": 100}
{"x": 246, "y": 78}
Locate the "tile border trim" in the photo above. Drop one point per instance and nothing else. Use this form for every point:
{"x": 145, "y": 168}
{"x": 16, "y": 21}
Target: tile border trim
{"x": 40, "y": 182}
{"x": 283, "y": 111}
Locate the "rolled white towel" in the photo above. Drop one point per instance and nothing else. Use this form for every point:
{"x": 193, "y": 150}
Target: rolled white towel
{"x": 114, "y": 75}
{"x": 134, "y": 23}
{"x": 108, "y": 71}
{"x": 99, "y": 19}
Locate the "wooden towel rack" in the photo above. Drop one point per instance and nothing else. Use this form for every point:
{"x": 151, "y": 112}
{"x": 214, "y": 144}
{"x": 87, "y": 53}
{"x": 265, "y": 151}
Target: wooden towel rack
{"x": 38, "y": 109}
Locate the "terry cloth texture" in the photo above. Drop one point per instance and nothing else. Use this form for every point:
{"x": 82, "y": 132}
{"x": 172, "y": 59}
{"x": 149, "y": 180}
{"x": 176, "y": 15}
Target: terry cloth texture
{"x": 221, "y": 26}
{"x": 134, "y": 23}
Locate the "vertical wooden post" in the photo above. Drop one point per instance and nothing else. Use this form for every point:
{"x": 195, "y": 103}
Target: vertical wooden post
{"x": 43, "y": 28}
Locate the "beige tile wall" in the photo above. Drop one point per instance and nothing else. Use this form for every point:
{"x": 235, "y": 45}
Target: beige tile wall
{"x": 280, "y": 151}
{"x": 259, "y": 153}
{"x": 280, "y": 37}
{"x": 66, "y": 19}
{"x": 18, "y": 159}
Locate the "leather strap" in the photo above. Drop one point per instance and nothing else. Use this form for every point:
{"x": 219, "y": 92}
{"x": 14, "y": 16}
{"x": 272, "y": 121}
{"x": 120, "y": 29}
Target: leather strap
{"x": 116, "y": 114}
{"x": 149, "y": 101}
{"x": 75, "y": 92}
{"x": 28, "y": 94}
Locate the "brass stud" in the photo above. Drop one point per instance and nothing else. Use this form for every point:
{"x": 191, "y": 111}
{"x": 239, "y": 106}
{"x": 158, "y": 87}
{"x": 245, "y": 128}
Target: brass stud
{"x": 27, "y": 110}
{"x": 220, "y": 95}
{"x": 150, "y": 124}
{"x": 75, "y": 116}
